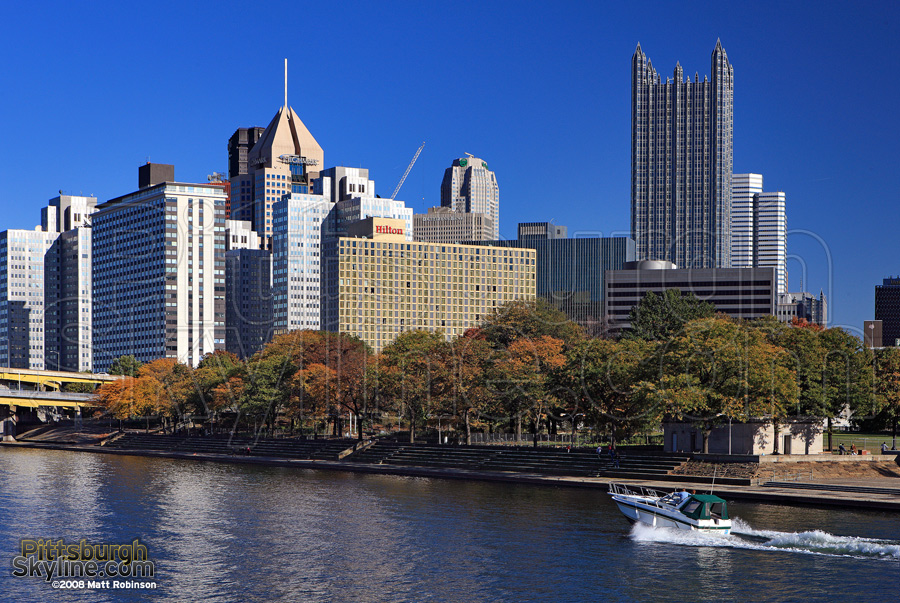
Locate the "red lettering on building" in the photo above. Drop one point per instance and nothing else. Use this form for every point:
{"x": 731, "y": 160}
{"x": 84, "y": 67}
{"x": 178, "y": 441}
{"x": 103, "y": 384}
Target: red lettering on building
{"x": 388, "y": 230}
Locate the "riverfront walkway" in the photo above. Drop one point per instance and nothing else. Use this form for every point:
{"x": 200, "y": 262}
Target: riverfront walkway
{"x": 875, "y": 493}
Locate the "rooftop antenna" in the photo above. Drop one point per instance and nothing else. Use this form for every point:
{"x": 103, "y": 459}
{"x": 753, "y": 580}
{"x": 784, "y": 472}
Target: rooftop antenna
{"x": 469, "y": 154}
{"x": 285, "y": 82}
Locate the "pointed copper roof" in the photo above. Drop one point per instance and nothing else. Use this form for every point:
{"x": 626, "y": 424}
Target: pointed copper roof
{"x": 285, "y": 135}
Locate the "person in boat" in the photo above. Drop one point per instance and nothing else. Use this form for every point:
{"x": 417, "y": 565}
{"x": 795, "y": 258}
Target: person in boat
{"x": 683, "y": 496}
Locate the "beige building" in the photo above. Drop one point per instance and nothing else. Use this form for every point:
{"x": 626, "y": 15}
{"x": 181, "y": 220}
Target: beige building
{"x": 378, "y": 284}
{"x": 757, "y": 436}
{"x": 444, "y": 225}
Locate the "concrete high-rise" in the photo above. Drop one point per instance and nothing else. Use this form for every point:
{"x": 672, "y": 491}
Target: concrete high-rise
{"x": 159, "y": 274}
{"x": 681, "y": 163}
{"x": 443, "y": 225}
{"x": 758, "y": 227}
{"x": 470, "y": 187}
{"x": 68, "y": 301}
{"x": 45, "y": 289}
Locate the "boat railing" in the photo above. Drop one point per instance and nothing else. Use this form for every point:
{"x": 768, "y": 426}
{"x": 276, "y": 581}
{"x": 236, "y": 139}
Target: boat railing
{"x": 642, "y": 491}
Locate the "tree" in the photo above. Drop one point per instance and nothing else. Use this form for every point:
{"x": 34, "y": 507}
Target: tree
{"x": 528, "y": 319}
{"x": 167, "y": 386}
{"x": 599, "y": 377}
{"x": 662, "y": 317}
{"x": 471, "y": 353}
{"x": 887, "y": 386}
{"x": 122, "y": 398}
{"x": 716, "y": 369}
{"x": 525, "y": 374}
{"x": 125, "y": 365}
{"x": 414, "y": 374}
{"x": 214, "y": 371}
{"x": 848, "y": 377}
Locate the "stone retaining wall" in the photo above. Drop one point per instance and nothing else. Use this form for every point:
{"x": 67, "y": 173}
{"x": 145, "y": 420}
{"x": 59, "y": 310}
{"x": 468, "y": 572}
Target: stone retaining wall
{"x": 796, "y": 470}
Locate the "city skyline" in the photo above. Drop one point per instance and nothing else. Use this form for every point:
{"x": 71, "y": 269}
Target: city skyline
{"x": 572, "y": 84}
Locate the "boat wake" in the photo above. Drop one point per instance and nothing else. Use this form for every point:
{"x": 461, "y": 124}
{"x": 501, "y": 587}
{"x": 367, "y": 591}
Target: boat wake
{"x": 743, "y": 536}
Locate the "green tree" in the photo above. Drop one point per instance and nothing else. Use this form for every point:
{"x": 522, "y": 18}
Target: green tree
{"x": 718, "y": 369}
{"x": 414, "y": 374}
{"x": 887, "y": 388}
{"x": 471, "y": 354}
{"x": 599, "y": 377}
{"x": 662, "y": 317}
{"x": 528, "y": 319}
{"x": 848, "y": 376}
{"x": 125, "y": 365}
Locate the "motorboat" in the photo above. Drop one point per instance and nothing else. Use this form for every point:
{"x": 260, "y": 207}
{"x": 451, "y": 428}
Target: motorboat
{"x": 677, "y": 510}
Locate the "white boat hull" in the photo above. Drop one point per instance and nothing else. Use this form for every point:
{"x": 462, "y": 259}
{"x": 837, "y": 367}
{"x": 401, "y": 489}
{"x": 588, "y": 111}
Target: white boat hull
{"x": 658, "y": 513}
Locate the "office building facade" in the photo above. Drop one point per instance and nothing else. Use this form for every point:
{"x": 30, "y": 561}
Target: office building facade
{"x": 302, "y": 222}
{"x": 541, "y": 231}
{"x": 249, "y": 308}
{"x": 22, "y": 327}
{"x": 443, "y": 225}
{"x": 758, "y": 227}
{"x": 887, "y": 310}
{"x": 681, "y": 163}
{"x": 159, "y": 274}
{"x": 469, "y": 186}
{"x": 802, "y": 306}
{"x": 378, "y": 284}
{"x": 744, "y": 293}
{"x": 571, "y": 273}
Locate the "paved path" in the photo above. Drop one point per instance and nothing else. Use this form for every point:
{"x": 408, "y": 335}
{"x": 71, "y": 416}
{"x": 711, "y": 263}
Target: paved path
{"x": 829, "y": 498}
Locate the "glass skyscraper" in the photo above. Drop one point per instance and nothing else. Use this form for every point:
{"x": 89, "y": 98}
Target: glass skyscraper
{"x": 681, "y": 163}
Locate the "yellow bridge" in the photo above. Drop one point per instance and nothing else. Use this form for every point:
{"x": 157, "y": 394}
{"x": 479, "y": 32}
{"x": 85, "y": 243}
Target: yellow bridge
{"x": 43, "y": 388}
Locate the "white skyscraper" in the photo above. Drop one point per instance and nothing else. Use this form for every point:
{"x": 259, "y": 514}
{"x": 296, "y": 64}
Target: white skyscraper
{"x": 758, "y": 227}
{"x": 159, "y": 271}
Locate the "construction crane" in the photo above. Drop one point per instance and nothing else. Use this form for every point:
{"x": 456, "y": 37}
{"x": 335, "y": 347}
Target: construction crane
{"x": 406, "y": 173}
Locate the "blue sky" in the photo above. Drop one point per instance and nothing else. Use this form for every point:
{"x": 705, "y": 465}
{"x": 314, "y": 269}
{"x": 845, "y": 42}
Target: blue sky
{"x": 540, "y": 91}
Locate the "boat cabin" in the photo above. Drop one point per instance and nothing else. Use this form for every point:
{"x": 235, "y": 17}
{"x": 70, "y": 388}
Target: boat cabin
{"x": 705, "y": 506}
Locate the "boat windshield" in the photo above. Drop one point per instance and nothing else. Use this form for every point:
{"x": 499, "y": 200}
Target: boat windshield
{"x": 704, "y": 506}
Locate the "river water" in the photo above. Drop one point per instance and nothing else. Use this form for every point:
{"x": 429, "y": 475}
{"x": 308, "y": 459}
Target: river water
{"x": 220, "y": 532}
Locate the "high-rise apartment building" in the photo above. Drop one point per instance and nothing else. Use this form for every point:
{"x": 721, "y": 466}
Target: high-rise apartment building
{"x": 758, "y": 227}
{"x": 68, "y": 302}
{"x": 887, "y": 310}
{"x": 159, "y": 274}
{"x": 470, "y": 187}
{"x": 45, "y": 289}
{"x": 443, "y": 225}
{"x": 681, "y": 163}
{"x": 378, "y": 284}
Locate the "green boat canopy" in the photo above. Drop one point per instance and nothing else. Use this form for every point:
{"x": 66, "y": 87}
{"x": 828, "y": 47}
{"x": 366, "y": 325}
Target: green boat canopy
{"x": 705, "y": 506}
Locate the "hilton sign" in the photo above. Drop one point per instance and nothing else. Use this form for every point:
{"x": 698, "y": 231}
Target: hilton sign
{"x": 388, "y": 230}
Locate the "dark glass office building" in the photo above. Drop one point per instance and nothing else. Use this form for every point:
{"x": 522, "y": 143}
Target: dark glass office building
{"x": 887, "y": 310}
{"x": 571, "y": 273}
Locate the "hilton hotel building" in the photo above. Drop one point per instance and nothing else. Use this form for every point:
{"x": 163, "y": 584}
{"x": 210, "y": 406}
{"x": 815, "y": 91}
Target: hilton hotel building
{"x": 378, "y": 284}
